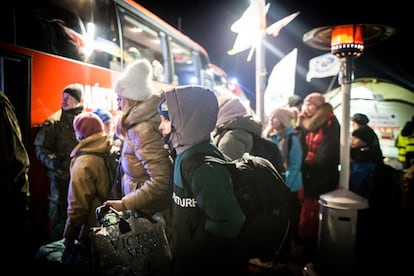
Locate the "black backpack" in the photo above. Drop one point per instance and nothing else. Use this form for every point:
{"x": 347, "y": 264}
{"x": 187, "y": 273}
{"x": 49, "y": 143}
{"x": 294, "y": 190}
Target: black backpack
{"x": 267, "y": 149}
{"x": 263, "y": 196}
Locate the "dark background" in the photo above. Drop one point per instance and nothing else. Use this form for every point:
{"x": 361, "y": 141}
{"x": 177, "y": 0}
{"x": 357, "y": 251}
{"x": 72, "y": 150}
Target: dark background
{"x": 209, "y": 22}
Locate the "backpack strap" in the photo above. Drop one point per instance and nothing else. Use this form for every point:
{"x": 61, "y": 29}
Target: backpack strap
{"x": 289, "y": 145}
{"x": 192, "y": 162}
{"x": 189, "y": 165}
{"x": 108, "y": 166}
{"x": 290, "y": 141}
{"x": 101, "y": 154}
{"x": 118, "y": 171}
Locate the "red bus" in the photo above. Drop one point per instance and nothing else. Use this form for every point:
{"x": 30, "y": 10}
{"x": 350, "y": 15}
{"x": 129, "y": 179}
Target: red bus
{"x": 48, "y": 44}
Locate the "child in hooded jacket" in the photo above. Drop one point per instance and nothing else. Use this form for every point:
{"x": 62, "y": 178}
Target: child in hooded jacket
{"x": 206, "y": 215}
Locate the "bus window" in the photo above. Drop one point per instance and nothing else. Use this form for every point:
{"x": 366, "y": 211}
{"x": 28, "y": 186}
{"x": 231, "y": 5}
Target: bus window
{"x": 77, "y": 30}
{"x": 49, "y": 30}
{"x": 207, "y": 75}
{"x": 185, "y": 69}
{"x": 88, "y": 31}
{"x": 141, "y": 41}
{"x": 190, "y": 67}
{"x": 102, "y": 38}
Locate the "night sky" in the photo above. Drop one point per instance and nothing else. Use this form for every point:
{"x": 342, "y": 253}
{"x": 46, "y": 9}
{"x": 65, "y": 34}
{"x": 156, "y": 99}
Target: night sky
{"x": 208, "y": 23}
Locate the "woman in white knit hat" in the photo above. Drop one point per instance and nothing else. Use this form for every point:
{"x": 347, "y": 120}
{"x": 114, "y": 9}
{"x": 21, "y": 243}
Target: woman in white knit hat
{"x": 146, "y": 163}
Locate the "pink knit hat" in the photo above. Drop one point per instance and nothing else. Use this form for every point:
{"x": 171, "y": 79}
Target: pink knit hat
{"x": 315, "y": 98}
{"x": 284, "y": 115}
{"x": 86, "y": 124}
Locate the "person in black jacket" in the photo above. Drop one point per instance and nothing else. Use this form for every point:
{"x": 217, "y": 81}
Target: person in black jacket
{"x": 14, "y": 170}
{"x": 320, "y": 139}
{"x": 360, "y": 119}
{"x": 53, "y": 144}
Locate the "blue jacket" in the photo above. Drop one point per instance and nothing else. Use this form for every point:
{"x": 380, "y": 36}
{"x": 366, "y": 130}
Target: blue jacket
{"x": 361, "y": 180}
{"x": 293, "y": 172}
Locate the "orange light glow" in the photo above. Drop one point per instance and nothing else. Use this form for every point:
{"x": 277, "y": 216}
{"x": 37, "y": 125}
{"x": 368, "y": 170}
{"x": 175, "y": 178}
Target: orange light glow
{"x": 347, "y": 40}
{"x": 347, "y": 34}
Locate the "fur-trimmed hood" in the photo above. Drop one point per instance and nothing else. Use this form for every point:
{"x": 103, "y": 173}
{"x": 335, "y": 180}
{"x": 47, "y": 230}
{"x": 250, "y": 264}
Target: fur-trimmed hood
{"x": 320, "y": 117}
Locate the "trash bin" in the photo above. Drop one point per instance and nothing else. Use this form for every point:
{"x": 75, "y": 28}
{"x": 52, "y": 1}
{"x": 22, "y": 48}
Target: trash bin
{"x": 338, "y": 216}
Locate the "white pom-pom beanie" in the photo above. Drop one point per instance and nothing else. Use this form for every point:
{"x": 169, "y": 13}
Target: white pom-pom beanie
{"x": 136, "y": 81}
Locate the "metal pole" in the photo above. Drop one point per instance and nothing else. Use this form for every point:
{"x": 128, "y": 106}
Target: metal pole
{"x": 347, "y": 75}
{"x": 260, "y": 80}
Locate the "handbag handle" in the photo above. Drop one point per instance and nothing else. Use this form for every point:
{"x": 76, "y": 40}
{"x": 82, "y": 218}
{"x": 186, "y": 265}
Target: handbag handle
{"x": 103, "y": 210}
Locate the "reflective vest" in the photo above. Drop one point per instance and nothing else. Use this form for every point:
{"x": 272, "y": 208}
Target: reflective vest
{"x": 405, "y": 146}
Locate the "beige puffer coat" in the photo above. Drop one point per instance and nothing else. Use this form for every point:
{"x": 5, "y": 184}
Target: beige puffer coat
{"x": 146, "y": 163}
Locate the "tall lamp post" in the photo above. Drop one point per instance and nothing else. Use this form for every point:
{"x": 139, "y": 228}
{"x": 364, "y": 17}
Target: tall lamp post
{"x": 346, "y": 42}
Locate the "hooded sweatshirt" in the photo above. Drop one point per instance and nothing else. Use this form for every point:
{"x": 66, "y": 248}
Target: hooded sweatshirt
{"x": 207, "y": 216}
{"x": 235, "y": 128}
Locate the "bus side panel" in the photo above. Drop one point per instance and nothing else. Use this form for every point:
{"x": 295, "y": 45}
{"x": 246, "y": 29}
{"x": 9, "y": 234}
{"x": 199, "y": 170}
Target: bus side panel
{"x": 51, "y": 74}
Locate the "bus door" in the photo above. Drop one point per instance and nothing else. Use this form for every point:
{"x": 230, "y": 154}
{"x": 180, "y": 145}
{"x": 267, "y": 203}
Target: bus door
{"x": 14, "y": 82}
{"x": 15, "y": 79}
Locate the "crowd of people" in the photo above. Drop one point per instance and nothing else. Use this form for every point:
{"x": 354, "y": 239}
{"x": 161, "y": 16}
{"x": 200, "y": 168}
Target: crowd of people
{"x": 157, "y": 130}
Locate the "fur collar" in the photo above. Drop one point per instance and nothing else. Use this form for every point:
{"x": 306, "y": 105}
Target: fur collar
{"x": 320, "y": 117}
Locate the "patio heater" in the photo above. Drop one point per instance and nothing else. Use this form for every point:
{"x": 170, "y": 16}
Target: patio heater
{"x": 346, "y": 42}
{"x": 338, "y": 213}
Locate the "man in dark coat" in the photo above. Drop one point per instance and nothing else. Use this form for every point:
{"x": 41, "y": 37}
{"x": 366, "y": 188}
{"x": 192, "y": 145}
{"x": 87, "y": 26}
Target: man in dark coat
{"x": 53, "y": 144}
{"x": 320, "y": 138}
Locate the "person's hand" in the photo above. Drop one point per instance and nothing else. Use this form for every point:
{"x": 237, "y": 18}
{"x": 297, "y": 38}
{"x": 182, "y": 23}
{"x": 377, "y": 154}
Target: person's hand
{"x": 266, "y": 132}
{"x": 301, "y": 116}
{"x": 53, "y": 162}
{"x": 116, "y": 204}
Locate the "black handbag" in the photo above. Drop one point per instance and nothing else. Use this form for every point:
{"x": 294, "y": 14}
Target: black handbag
{"x": 130, "y": 243}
